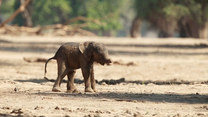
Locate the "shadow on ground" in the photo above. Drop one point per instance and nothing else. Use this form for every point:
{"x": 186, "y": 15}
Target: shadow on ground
{"x": 121, "y": 80}
{"x": 9, "y": 115}
{"x": 130, "y": 97}
{"x": 33, "y": 80}
{"x": 37, "y": 47}
{"x": 139, "y": 97}
{"x": 43, "y": 80}
{"x": 179, "y": 46}
{"x": 175, "y": 46}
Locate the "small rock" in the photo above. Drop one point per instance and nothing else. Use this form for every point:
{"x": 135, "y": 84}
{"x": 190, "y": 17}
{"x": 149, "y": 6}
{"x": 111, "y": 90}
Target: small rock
{"x": 99, "y": 111}
{"x": 130, "y": 64}
{"x": 17, "y": 111}
{"x": 57, "y": 108}
{"x": 137, "y": 114}
{"x": 154, "y": 114}
{"x": 177, "y": 115}
{"x": 200, "y": 114}
{"x": 6, "y": 108}
{"x": 38, "y": 108}
{"x": 16, "y": 89}
{"x": 128, "y": 112}
{"x": 88, "y": 116}
{"x": 103, "y": 83}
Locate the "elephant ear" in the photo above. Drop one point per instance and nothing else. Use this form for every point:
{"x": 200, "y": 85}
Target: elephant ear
{"x": 86, "y": 50}
{"x": 82, "y": 48}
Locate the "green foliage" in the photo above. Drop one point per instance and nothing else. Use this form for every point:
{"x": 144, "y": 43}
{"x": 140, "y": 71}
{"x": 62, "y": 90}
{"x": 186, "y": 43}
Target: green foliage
{"x": 19, "y": 18}
{"x": 102, "y": 10}
{"x": 45, "y": 12}
{"x": 145, "y": 7}
{"x": 179, "y": 11}
{"x": 105, "y": 12}
{"x": 167, "y": 14}
{"x": 7, "y": 7}
{"x": 166, "y": 8}
{"x": 171, "y": 8}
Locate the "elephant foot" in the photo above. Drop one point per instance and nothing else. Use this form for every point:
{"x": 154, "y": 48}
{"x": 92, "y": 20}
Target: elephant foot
{"x": 73, "y": 91}
{"x": 56, "y": 89}
{"x": 95, "y": 90}
{"x": 89, "y": 90}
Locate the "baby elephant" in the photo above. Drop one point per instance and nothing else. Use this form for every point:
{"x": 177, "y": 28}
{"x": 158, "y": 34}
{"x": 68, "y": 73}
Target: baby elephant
{"x": 72, "y": 56}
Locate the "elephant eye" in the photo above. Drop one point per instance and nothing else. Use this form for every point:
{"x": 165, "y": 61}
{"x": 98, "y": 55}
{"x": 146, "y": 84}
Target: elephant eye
{"x": 100, "y": 56}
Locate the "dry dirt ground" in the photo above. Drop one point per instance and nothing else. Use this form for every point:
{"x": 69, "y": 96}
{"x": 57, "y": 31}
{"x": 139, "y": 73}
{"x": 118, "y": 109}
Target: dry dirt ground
{"x": 149, "y": 77}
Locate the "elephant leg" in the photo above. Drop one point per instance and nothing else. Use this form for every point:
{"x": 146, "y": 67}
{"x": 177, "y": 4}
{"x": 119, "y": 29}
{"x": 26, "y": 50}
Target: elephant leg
{"x": 70, "y": 84}
{"x": 86, "y": 75}
{"x": 92, "y": 79}
{"x": 62, "y": 71}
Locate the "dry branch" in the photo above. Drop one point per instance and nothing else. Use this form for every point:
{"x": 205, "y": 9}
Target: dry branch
{"x": 81, "y": 18}
{"x": 19, "y": 10}
{"x": 124, "y": 64}
{"x": 31, "y": 60}
{"x": 56, "y": 30}
{"x": 0, "y": 2}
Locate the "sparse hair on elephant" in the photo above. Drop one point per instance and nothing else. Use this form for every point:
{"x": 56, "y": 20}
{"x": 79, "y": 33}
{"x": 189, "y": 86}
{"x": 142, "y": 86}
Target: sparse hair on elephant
{"x": 72, "y": 56}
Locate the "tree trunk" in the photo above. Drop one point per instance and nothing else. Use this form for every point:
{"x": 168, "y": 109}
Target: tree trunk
{"x": 0, "y": 6}
{"x": 164, "y": 34}
{"x": 188, "y": 28}
{"x": 135, "y": 28}
{"x": 203, "y": 32}
{"x": 0, "y": 2}
{"x": 27, "y": 15}
{"x": 107, "y": 33}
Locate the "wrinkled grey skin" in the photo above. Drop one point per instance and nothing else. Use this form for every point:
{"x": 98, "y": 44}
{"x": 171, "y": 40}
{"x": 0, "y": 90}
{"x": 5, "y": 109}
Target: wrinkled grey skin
{"x": 72, "y": 56}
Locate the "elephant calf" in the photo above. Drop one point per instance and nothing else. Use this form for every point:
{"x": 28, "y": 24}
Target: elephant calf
{"x": 72, "y": 56}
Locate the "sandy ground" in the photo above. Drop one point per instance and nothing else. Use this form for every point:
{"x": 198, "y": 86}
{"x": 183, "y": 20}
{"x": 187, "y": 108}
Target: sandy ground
{"x": 161, "y": 77}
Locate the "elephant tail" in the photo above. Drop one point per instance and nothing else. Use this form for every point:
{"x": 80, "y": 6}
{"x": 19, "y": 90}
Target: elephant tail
{"x": 46, "y": 66}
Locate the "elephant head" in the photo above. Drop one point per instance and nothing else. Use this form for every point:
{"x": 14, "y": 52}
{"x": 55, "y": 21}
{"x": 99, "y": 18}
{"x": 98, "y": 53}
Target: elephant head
{"x": 95, "y": 52}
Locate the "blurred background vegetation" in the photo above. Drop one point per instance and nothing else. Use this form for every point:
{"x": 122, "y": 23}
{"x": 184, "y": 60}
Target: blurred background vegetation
{"x": 135, "y": 18}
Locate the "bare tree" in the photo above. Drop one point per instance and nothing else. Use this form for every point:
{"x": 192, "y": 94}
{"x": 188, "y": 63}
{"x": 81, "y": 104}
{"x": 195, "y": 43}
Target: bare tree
{"x": 0, "y": 2}
{"x": 19, "y": 10}
{"x": 27, "y": 15}
{"x": 135, "y": 28}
